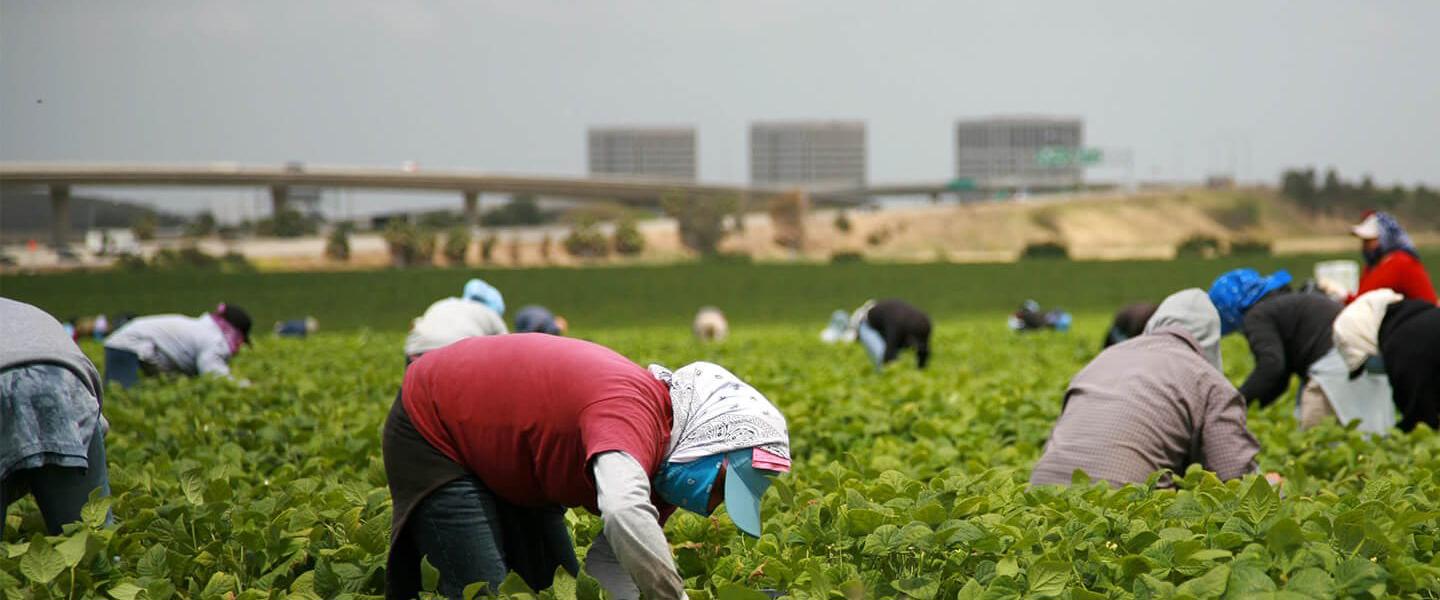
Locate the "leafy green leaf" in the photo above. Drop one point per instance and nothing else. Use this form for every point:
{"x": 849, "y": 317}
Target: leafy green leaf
{"x": 125, "y": 590}
{"x": 1356, "y": 577}
{"x": 1209, "y": 585}
{"x": 41, "y": 563}
{"x": 1048, "y": 578}
{"x": 919, "y": 588}
{"x": 739, "y": 592}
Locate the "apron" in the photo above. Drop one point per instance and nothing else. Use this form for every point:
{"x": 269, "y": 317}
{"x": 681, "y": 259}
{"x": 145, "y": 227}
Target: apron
{"x": 1366, "y": 398}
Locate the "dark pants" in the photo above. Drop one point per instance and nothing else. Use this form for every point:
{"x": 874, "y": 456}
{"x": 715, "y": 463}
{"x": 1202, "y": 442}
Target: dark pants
{"x": 470, "y": 536}
{"x": 122, "y": 367}
{"x": 60, "y": 492}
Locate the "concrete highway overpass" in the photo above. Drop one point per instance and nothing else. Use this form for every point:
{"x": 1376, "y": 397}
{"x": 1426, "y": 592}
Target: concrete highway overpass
{"x": 60, "y": 177}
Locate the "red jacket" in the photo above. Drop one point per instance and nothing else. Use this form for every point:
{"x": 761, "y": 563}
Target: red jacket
{"x": 1399, "y": 271}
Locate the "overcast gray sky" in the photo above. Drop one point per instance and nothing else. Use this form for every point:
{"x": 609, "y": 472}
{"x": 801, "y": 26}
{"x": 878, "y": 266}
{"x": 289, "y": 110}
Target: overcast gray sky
{"x": 1191, "y": 87}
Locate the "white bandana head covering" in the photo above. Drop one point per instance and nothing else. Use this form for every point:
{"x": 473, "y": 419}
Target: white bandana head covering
{"x": 716, "y": 412}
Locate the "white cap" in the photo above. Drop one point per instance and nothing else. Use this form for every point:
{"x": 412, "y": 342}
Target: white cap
{"x": 1369, "y": 229}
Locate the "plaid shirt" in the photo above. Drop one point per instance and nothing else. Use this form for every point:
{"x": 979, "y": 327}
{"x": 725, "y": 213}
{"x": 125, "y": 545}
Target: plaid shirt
{"x": 1144, "y": 405}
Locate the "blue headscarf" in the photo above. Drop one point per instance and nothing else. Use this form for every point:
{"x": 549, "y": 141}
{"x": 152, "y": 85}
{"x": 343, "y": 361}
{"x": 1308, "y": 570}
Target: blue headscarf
{"x": 1235, "y": 292}
{"x": 1392, "y": 238}
{"x": 478, "y": 291}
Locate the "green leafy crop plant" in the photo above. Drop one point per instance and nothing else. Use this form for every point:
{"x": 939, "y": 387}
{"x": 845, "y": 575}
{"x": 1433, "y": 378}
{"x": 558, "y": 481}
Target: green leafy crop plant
{"x": 906, "y": 483}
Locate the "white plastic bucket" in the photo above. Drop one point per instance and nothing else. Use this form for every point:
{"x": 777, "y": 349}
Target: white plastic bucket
{"x": 1343, "y": 272}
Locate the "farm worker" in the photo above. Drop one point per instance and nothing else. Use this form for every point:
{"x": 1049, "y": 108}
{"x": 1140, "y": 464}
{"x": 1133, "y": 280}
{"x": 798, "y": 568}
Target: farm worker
{"x": 483, "y": 457}
{"x": 1406, "y": 334}
{"x": 1129, "y": 322}
{"x": 710, "y": 325}
{"x": 298, "y": 328}
{"x": 890, "y": 326}
{"x": 476, "y": 312}
{"x": 538, "y": 319}
{"x": 52, "y": 435}
{"x": 846, "y": 327}
{"x": 200, "y": 345}
{"x": 1031, "y": 318}
{"x": 1391, "y": 261}
{"x": 1154, "y": 402}
{"x": 1290, "y": 334}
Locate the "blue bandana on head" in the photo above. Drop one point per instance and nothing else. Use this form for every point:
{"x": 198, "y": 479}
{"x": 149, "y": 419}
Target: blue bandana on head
{"x": 476, "y": 290}
{"x": 1235, "y": 292}
{"x": 687, "y": 485}
{"x": 1392, "y": 238}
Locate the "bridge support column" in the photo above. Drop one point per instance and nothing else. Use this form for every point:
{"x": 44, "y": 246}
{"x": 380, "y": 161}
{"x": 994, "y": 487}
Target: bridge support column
{"x": 279, "y": 199}
{"x": 472, "y": 208}
{"x": 59, "y": 216}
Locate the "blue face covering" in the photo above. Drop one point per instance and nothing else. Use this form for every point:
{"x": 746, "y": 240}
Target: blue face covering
{"x": 687, "y": 485}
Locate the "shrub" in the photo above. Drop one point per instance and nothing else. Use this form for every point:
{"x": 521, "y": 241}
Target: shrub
{"x": 846, "y": 256}
{"x": 1045, "y": 250}
{"x": 188, "y": 257}
{"x": 144, "y": 227}
{"x": 409, "y": 245}
{"x": 701, "y": 220}
{"x": 287, "y": 223}
{"x": 522, "y": 209}
{"x": 337, "y": 245}
{"x": 425, "y": 243}
{"x": 1199, "y": 245}
{"x": 628, "y": 239}
{"x": 487, "y": 247}
{"x": 842, "y": 222}
{"x": 586, "y": 241}
{"x": 787, "y": 217}
{"x": 1250, "y": 247}
{"x": 514, "y": 249}
{"x": 457, "y": 245}
{"x": 202, "y": 226}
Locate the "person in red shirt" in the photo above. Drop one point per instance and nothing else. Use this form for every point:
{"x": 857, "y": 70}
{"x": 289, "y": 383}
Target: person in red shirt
{"x": 1391, "y": 260}
{"x": 492, "y": 438}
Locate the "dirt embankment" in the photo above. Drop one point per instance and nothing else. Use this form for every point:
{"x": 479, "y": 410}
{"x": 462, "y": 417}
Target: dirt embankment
{"x": 1092, "y": 227}
{"x": 1153, "y": 225}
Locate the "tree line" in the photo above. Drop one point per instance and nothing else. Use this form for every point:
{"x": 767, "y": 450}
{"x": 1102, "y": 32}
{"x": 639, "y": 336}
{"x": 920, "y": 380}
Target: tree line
{"x": 1333, "y": 195}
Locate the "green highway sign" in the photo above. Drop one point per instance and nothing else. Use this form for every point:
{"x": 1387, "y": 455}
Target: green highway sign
{"x": 1060, "y": 156}
{"x": 961, "y": 184}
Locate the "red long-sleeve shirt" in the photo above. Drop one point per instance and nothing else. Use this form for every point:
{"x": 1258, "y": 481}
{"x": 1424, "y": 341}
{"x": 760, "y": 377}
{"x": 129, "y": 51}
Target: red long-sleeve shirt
{"x": 1399, "y": 271}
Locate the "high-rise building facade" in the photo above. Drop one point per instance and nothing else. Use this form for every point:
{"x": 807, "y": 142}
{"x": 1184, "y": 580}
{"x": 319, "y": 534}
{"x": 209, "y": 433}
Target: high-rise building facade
{"x": 808, "y": 153}
{"x": 656, "y": 152}
{"x": 1021, "y": 151}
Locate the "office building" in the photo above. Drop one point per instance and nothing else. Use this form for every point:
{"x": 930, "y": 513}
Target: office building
{"x": 1020, "y": 151}
{"x": 813, "y": 154}
{"x": 650, "y": 152}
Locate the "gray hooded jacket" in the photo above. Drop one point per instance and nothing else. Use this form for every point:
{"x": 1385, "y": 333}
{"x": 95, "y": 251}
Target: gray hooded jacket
{"x": 1154, "y": 402}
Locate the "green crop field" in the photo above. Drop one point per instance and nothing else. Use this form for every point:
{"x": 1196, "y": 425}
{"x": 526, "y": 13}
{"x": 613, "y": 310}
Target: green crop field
{"x": 906, "y": 483}
{"x": 600, "y": 298}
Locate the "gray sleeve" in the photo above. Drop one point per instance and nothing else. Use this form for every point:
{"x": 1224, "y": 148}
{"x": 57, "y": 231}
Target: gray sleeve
{"x": 604, "y": 566}
{"x": 632, "y": 530}
{"x": 1226, "y": 445}
{"x": 212, "y": 361}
